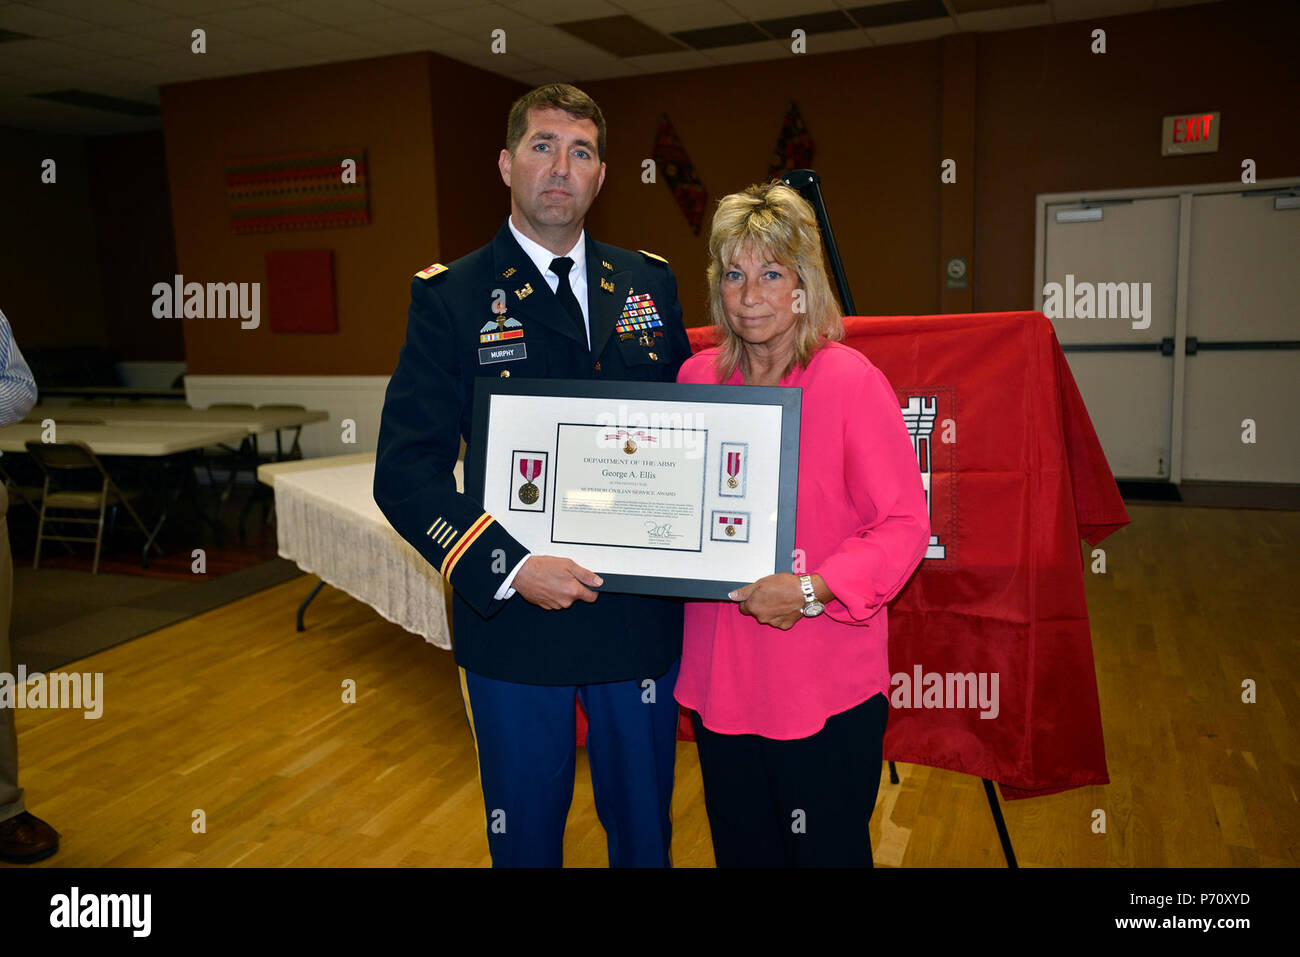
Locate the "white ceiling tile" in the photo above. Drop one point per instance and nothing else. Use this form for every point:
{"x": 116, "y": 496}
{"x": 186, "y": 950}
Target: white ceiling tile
{"x": 257, "y": 52}
{"x": 562, "y": 11}
{"x": 126, "y": 70}
{"x": 839, "y": 40}
{"x": 261, "y": 21}
{"x": 479, "y": 53}
{"x": 421, "y": 8}
{"x": 773, "y": 9}
{"x": 55, "y": 77}
{"x": 547, "y": 39}
{"x": 397, "y": 32}
{"x": 709, "y": 13}
{"x": 175, "y": 72}
{"x": 749, "y": 52}
{"x": 21, "y": 18}
{"x": 335, "y": 13}
{"x": 19, "y": 54}
{"x": 1068, "y": 10}
{"x": 665, "y": 62}
{"x": 190, "y": 8}
{"x": 109, "y": 13}
{"x": 483, "y": 19}
{"x": 912, "y": 32}
{"x": 136, "y": 92}
{"x": 1008, "y": 18}
{"x": 114, "y": 42}
{"x": 577, "y": 61}
{"x": 178, "y": 32}
{"x": 192, "y": 65}
{"x": 334, "y": 42}
{"x": 608, "y": 71}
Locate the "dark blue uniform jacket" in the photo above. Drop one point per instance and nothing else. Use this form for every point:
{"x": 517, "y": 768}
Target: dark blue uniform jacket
{"x": 427, "y": 410}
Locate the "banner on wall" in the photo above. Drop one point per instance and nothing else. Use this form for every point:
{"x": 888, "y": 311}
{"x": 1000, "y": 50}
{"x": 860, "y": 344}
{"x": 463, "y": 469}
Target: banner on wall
{"x": 314, "y": 189}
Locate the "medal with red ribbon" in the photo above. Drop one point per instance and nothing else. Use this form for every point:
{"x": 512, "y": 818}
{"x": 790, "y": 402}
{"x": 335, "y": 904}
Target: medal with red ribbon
{"x": 731, "y": 521}
{"x": 529, "y": 469}
{"x": 733, "y": 469}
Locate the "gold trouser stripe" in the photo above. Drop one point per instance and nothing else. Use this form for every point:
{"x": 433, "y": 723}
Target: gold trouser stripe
{"x": 469, "y": 710}
{"x": 478, "y": 761}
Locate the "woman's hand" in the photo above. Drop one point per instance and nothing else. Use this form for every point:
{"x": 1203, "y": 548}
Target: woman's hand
{"x": 775, "y": 600}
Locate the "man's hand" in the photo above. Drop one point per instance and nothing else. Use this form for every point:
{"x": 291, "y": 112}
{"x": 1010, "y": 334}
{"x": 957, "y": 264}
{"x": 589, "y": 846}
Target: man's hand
{"x": 775, "y": 600}
{"x": 550, "y": 582}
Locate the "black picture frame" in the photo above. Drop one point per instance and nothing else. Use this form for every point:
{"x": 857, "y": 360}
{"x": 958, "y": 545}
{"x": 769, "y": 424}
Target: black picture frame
{"x": 790, "y": 399}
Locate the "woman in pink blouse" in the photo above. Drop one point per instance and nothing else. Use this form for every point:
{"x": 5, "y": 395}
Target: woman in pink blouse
{"x": 788, "y": 685}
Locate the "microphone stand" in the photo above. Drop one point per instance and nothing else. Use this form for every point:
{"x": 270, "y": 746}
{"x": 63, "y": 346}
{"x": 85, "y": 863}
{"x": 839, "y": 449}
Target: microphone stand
{"x": 808, "y": 185}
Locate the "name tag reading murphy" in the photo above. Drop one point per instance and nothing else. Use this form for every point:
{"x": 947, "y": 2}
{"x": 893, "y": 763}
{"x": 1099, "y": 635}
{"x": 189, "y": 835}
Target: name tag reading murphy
{"x": 489, "y": 354}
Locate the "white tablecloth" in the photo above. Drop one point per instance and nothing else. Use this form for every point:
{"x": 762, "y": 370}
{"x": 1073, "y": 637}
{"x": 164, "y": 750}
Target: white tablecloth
{"x": 329, "y": 525}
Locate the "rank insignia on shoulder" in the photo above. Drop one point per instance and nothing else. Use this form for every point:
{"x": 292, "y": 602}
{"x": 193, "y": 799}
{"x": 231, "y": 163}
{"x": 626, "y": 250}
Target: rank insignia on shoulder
{"x": 431, "y": 271}
{"x": 653, "y": 256}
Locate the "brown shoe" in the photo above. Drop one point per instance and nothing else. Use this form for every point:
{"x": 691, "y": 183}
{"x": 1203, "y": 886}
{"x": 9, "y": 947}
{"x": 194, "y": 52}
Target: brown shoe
{"x": 25, "y": 839}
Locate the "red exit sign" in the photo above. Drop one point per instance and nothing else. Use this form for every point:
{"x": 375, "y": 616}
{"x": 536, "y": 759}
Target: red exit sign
{"x": 1189, "y": 133}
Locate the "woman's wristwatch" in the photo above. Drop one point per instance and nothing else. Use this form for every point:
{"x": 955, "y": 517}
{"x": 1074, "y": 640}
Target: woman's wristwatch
{"x": 811, "y": 606}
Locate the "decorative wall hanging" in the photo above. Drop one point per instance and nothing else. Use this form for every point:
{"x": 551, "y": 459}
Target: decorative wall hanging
{"x": 300, "y": 291}
{"x": 678, "y": 172}
{"x": 794, "y": 147}
{"x": 305, "y": 190}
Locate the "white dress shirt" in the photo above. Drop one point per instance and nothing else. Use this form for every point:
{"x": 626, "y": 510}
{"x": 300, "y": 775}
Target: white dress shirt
{"x": 541, "y": 257}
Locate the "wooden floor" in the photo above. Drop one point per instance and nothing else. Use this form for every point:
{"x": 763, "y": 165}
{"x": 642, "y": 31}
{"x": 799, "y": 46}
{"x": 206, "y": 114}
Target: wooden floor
{"x": 236, "y": 715}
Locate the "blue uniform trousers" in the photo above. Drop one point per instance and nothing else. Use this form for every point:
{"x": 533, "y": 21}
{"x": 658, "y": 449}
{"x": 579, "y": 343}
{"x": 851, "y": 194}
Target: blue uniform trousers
{"x": 526, "y": 741}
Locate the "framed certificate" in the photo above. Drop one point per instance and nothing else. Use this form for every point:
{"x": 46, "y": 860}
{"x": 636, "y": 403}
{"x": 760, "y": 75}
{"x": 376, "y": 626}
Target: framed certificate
{"x": 661, "y": 488}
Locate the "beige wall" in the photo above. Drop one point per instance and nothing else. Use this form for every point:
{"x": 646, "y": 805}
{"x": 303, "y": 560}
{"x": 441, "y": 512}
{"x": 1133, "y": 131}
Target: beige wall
{"x": 383, "y": 105}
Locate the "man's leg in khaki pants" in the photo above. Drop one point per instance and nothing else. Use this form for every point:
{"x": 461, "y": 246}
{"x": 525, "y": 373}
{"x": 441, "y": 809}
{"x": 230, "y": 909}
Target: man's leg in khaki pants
{"x": 23, "y": 837}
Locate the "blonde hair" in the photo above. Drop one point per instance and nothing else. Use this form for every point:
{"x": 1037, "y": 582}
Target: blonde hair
{"x": 776, "y": 221}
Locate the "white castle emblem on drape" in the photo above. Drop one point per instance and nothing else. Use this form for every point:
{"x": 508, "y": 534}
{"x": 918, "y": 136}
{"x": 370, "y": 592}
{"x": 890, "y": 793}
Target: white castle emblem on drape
{"x": 919, "y": 415}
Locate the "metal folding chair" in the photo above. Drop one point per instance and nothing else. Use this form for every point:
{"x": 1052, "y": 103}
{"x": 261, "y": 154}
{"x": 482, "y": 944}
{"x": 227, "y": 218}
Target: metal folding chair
{"x": 59, "y": 462}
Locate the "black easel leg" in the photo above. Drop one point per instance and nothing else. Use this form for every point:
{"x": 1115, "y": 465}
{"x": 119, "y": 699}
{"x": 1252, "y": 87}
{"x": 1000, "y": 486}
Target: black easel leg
{"x": 303, "y": 607}
{"x": 1007, "y": 851}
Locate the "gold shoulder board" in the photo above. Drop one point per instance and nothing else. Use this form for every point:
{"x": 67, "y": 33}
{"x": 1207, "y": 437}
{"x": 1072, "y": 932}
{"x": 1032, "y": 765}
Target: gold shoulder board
{"x": 431, "y": 271}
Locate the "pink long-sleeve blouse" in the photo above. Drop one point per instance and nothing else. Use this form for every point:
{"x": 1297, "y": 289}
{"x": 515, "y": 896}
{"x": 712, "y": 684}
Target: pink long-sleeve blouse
{"x": 862, "y": 525}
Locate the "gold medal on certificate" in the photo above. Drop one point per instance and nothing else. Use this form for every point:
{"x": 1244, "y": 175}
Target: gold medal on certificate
{"x": 733, "y": 469}
{"x": 529, "y": 469}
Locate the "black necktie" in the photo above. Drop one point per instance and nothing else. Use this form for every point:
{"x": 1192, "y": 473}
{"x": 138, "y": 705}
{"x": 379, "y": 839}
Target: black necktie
{"x": 564, "y": 292}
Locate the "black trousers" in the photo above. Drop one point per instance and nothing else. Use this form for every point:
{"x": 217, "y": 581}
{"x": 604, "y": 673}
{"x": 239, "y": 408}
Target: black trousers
{"x": 800, "y": 803}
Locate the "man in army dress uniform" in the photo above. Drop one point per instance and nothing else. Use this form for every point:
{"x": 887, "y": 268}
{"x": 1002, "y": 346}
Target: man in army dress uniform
{"x": 543, "y": 299}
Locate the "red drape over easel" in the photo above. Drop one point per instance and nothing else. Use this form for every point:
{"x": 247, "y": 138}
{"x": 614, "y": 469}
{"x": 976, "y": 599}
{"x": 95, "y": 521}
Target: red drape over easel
{"x": 1016, "y": 478}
